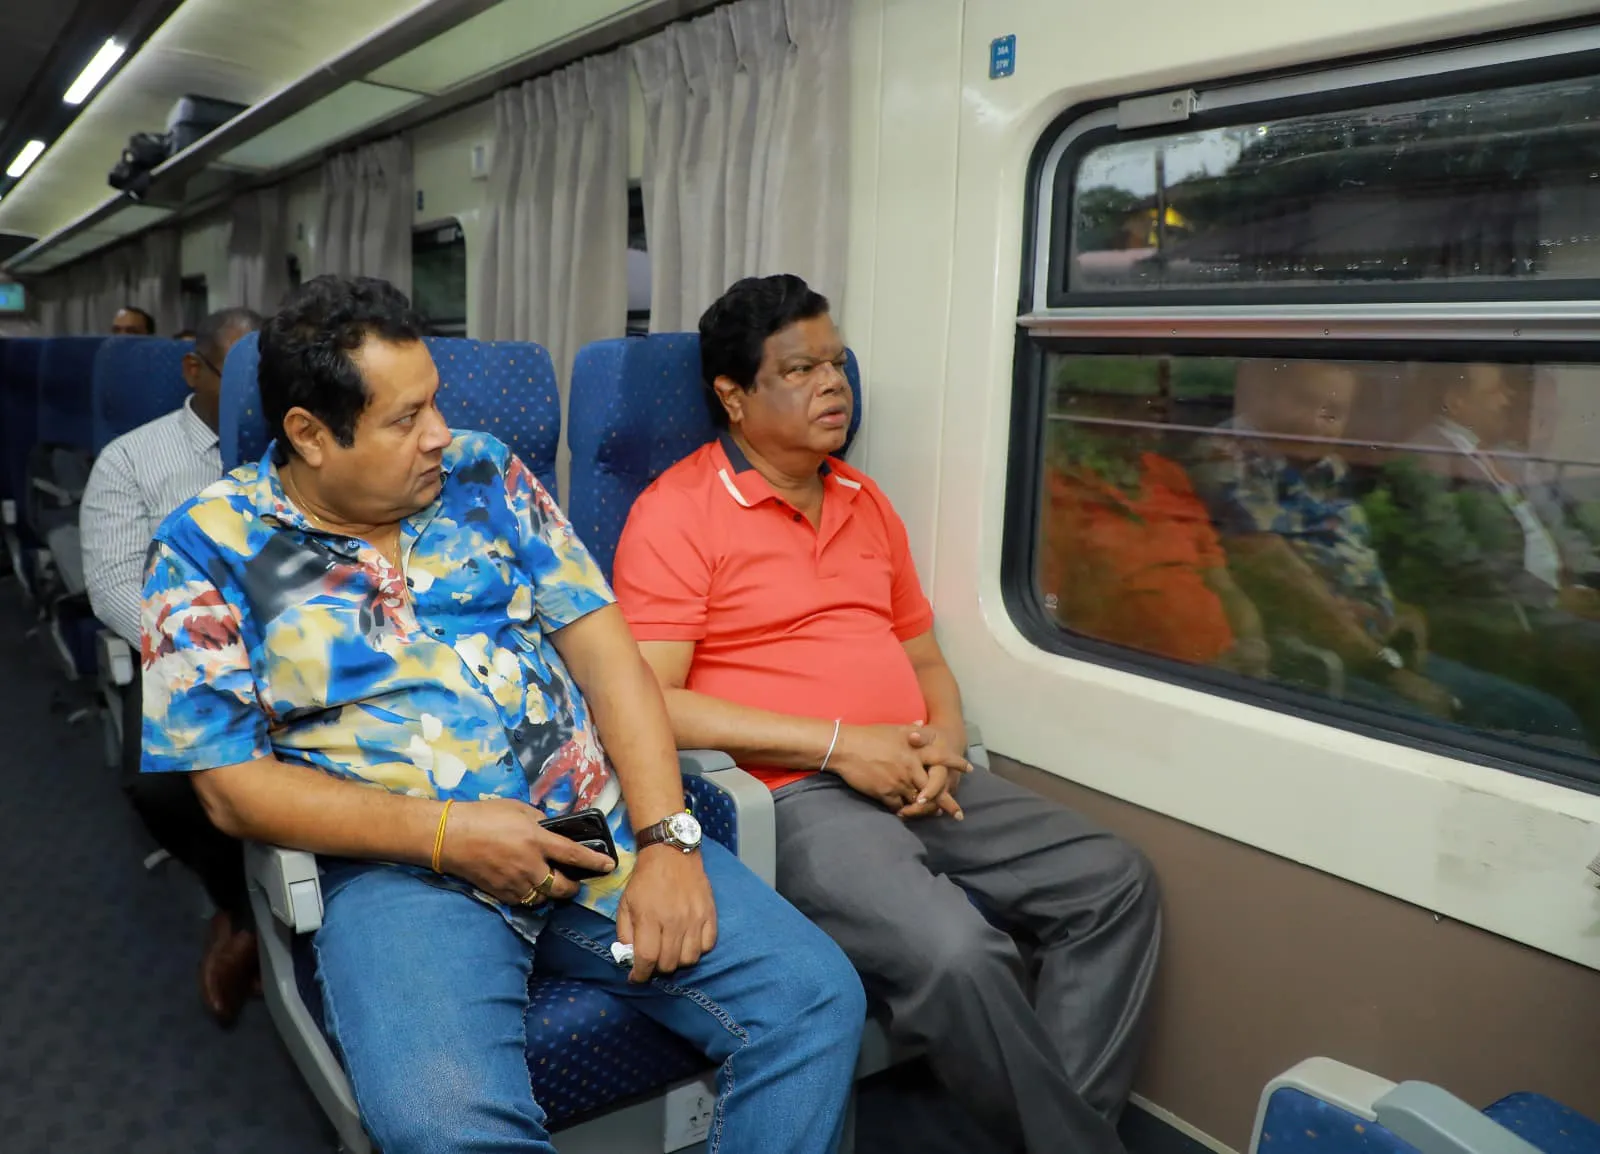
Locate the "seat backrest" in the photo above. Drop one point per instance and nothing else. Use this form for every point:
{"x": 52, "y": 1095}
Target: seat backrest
{"x": 136, "y": 380}
{"x": 20, "y": 400}
{"x": 66, "y": 389}
{"x": 504, "y": 388}
{"x": 637, "y": 407}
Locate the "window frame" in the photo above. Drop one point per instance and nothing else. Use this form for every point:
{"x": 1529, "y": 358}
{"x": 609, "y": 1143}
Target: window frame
{"x": 1536, "y": 321}
{"x": 449, "y": 327}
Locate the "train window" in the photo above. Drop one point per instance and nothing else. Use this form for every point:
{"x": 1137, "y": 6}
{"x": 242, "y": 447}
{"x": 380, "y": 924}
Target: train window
{"x": 1308, "y": 400}
{"x": 1495, "y": 185}
{"x": 439, "y": 277}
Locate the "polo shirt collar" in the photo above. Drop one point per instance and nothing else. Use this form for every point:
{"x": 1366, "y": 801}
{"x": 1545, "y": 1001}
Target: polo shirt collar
{"x": 746, "y": 485}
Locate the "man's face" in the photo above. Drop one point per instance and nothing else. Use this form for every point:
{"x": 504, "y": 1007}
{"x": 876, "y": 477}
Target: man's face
{"x": 1314, "y": 401}
{"x": 392, "y": 468}
{"x": 1482, "y": 402}
{"x": 202, "y": 369}
{"x": 801, "y": 402}
{"x": 128, "y": 323}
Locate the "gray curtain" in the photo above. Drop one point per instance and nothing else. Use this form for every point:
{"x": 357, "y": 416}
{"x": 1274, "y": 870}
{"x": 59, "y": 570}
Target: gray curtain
{"x": 555, "y": 249}
{"x": 746, "y": 172}
{"x": 258, "y": 251}
{"x": 145, "y": 272}
{"x": 364, "y": 226}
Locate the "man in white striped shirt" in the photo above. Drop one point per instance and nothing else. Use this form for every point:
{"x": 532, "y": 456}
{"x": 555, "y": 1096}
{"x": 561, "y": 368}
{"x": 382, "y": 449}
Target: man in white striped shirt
{"x": 138, "y": 479}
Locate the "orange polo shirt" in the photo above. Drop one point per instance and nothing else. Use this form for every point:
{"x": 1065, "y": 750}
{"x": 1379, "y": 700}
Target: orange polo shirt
{"x": 784, "y": 617}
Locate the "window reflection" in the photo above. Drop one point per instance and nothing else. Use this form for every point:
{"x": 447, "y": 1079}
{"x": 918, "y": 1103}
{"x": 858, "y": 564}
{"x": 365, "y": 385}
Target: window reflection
{"x": 1380, "y": 533}
{"x": 1496, "y": 185}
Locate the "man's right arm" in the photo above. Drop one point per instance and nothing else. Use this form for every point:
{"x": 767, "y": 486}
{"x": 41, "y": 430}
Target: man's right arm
{"x": 203, "y": 716}
{"x": 115, "y": 530}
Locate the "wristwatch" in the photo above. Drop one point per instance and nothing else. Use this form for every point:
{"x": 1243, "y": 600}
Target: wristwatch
{"x": 679, "y": 830}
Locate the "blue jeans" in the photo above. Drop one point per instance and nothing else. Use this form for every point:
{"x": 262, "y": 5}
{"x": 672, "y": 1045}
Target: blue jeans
{"x": 425, "y": 995}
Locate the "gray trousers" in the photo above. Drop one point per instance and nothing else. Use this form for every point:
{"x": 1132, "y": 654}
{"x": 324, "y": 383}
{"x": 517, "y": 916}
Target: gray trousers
{"x": 1046, "y": 1072}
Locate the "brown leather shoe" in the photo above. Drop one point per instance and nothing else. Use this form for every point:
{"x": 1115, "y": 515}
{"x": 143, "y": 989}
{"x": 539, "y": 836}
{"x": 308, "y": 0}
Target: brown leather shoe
{"x": 228, "y": 969}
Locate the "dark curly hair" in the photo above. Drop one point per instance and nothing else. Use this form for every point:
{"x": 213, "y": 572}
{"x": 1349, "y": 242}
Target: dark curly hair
{"x": 307, "y": 351}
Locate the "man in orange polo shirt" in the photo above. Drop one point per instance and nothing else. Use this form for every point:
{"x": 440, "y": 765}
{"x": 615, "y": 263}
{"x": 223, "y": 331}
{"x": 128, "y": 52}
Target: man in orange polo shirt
{"x": 772, "y": 590}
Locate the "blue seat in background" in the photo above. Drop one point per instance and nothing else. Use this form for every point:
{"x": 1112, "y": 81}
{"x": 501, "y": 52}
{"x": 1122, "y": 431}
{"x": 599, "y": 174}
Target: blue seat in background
{"x": 58, "y": 470}
{"x": 505, "y": 388}
{"x": 19, "y": 404}
{"x": 636, "y": 408}
{"x": 1327, "y": 1107}
{"x": 598, "y": 1066}
{"x": 136, "y": 380}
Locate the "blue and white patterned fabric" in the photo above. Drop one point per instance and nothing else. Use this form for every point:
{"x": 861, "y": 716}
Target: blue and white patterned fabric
{"x": 136, "y": 380}
{"x": 1301, "y": 1123}
{"x": 637, "y": 408}
{"x": 504, "y": 388}
{"x": 65, "y": 385}
{"x": 1547, "y": 1124}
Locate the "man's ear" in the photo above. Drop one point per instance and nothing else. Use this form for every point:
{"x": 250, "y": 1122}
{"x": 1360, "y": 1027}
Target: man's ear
{"x": 306, "y": 434}
{"x": 732, "y": 398}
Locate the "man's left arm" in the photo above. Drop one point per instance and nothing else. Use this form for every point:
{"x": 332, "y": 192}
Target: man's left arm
{"x": 667, "y": 913}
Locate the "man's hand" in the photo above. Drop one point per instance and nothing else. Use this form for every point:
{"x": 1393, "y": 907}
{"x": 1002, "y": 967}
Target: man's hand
{"x": 499, "y": 846}
{"x": 880, "y": 762}
{"x": 667, "y": 913}
{"x": 1432, "y": 696}
{"x": 945, "y": 765}
{"x": 1409, "y": 621}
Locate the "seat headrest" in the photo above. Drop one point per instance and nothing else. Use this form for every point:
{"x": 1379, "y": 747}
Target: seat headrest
{"x": 65, "y": 387}
{"x": 504, "y": 388}
{"x": 136, "y": 380}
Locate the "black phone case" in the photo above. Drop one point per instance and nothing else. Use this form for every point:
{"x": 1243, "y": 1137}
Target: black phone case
{"x": 589, "y": 828}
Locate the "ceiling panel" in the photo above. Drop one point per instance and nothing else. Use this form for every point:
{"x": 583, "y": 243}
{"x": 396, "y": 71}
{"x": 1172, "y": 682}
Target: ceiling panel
{"x": 334, "y": 117}
{"x": 27, "y": 31}
{"x": 239, "y": 50}
{"x": 504, "y": 34}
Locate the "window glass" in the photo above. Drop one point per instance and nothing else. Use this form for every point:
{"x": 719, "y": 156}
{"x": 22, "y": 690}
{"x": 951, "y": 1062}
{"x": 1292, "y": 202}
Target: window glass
{"x": 1495, "y": 185}
{"x": 439, "y": 278}
{"x": 1416, "y": 539}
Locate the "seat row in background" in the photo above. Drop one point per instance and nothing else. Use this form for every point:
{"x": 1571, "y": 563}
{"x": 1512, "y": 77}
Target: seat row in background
{"x": 609, "y": 1078}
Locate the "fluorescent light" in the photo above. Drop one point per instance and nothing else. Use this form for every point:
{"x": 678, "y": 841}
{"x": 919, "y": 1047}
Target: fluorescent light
{"x": 89, "y": 79}
{"x": 30, "y": 153}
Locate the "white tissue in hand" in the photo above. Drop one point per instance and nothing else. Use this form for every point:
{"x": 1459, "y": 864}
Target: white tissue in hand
{"x": 623, "y": 953}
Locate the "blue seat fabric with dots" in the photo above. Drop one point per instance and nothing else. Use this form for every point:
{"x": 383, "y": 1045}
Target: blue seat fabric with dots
{"x": 504, "y": 388}
{"x": 588, "y": 1050}
{"x": 20, "y": 400}
{"x": 64, "y": 440}
{"x": 637, "y": 408}
{"x": 1300, "y": 1123}
{"x": 136, "y": 380}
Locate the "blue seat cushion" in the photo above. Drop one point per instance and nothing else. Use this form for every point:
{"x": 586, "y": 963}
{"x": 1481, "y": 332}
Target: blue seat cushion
{"x": 1300, "y": 1123}
{"x": 1547, "y": 1124}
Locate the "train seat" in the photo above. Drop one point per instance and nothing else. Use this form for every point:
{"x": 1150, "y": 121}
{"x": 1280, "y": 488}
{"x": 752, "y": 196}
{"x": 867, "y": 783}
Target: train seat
{"x": 136, "y": 380}
{"x": 637, "y": 407}
{"x": 58, "y": 470}
{"x": 19, "y": 402}
{"x": 509, "y": 389}
{"x": 1332, "y": 1108}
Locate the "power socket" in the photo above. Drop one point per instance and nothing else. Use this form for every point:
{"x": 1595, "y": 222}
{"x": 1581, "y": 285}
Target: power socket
{"x": 689, "y": 1109}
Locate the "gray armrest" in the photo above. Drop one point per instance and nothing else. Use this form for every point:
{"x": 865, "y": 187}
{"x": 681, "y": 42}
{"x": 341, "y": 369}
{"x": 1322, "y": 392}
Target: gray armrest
{"x": 61, "y": 493}
{"x": 976, "y": 752}
{"x": 1435, "y": 1121}
{"x": 288, "y": 880}
{"x": 8, "y": 512}
{"x": 752, "y": 801}
{"x": 116, "y": 658}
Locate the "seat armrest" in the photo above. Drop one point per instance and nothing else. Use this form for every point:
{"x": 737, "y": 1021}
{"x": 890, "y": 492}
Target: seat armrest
{"x": 977, "y": 754}
{"x": 116, "y": 658}
{"x": 1435, "y": 1121}
{"x": 752, "y": 807}
{"x": 61, "y": 493}
{"x": 8, "y": 513}
{"x": 289, "y": 880}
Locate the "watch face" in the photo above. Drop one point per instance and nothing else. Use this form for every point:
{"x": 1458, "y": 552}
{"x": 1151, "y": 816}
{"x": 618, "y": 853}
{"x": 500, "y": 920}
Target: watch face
{"x": 683, "y": 829}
